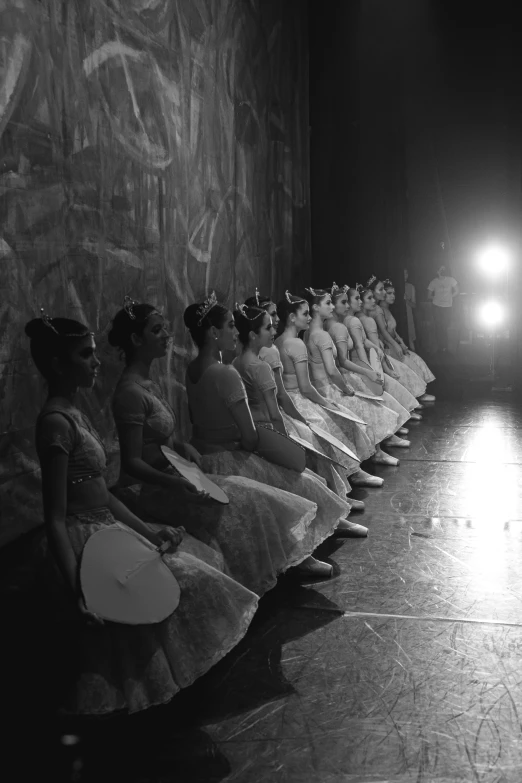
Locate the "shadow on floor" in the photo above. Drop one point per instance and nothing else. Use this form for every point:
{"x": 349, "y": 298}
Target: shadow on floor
{"x": 166, "y": 743}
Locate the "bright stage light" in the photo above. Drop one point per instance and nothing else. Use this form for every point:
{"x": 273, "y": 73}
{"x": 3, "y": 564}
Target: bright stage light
{"x": 491, "y": 314}
{"x": 493, "y": 261}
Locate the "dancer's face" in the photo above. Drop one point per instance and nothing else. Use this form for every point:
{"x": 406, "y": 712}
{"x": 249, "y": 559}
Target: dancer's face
{"x": 82, "y": 368}
{"x": 390, "y": 295}
{"x": 302, "y": 317}
{"x": 226, "y": 337}
{"x": 272, "y": 312}
{"x": 154, "y": 340}
{"x": 341, "y": 305}
{"x": 325, "y": 307}
{"x": 368, "y": 302}
{"x": 378, "y": 291}
{"x": 356, "y": 303}
{"x": 266, "y": 334}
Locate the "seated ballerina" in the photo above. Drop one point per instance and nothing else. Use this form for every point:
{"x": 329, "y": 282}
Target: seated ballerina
{"x": 363, "y": 346}
{"x": 294, "y": 314}
{"x": 225, "y": 434}
{"x": 253, "y": 533}
{"x": 356, "y": 372}
{"x": 255, "y": 332}
{"x": 327, "y": 379}
{"x": 409, "y": 357}
{"x": 116, "y": 666}
{"x": 391, "y": 366}
{"x": 294, "y": 421}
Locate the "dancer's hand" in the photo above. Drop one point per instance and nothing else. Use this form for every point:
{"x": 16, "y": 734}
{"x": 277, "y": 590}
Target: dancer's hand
{"x": 375, "y": 377}
{"x": 173, "y": 536}
{"x": 349, "y": 392}
{"x": 91, "y": 618}
{"x": 193, "y": 455}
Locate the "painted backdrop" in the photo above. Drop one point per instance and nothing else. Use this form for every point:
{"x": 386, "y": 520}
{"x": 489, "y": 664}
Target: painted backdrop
{"x": 157, "y": 148}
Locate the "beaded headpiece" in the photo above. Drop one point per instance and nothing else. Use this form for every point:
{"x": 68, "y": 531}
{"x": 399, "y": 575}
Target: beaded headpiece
{"x": 370, "y": 281}
{"x": 388, "y": 283}
{"x": 243, "y": 310}
{"x": 311, "y": 291}
{"x": 47, "y": 321}
{"x": 359, "y": 287}
{"x": 288, "y": 297}
{"x": 262, "y": 301}
{"x": 210, "y": 302}
{"x": 336, "y": 290}
{"x": 128, "y": 305}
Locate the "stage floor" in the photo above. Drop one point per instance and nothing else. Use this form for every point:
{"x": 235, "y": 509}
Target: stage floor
{"x": 407, "y": 666}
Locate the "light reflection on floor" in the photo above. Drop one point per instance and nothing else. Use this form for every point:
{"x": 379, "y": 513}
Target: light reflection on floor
{"x": 491, "y": 497}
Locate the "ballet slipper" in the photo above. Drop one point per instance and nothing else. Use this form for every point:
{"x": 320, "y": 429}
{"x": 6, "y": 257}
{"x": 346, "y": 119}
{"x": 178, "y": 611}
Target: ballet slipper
{"x": 396, "y": 442}
{"x": 312, "y": 567}
{"x": 427, "y": 398}
{"x": 385, "y": 459}
{"x": 363, "y": 479}
{"x": 356, "y": 505}
{"x": 347, "y": 529}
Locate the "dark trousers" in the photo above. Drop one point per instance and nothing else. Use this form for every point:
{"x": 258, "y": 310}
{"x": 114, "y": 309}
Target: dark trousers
{"x": 442, "y": 319}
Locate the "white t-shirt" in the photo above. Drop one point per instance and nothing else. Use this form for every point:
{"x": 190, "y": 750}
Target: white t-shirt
{"x": 442, "y": 288}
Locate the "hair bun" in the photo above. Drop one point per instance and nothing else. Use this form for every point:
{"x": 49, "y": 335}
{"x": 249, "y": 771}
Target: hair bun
{"x": 114, "y": 337}
{"x": 190, "y": 316}
{"x": 34, "y": 328}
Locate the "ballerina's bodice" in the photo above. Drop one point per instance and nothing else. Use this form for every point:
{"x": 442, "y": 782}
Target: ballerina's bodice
{"x": 292, "y": 351}
{"x": 210, "y": 399}
{"x": 137, "y": 401}
{"x": 258, "y": 378}
{"x": 340, "y": 334}
{"x": 319, "y": 343}
{"x": 77, "y": 438}
{"x": 391, "y": 323}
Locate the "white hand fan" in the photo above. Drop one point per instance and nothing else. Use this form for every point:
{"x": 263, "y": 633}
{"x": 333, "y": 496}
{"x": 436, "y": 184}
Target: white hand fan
{"x": 374, "y": 387}
{"x": 369, "y": 396}
{"x": 375, "y": 362}
{"x": 344, "y": 413}
{"x": 312, "y": 450}
{"x": 389, "y": 362}
{"x": 333, "y": 441}
{"x": 194, "y": 474}
{"x": 124, "y": 579}
{"x": 280, "y": 449}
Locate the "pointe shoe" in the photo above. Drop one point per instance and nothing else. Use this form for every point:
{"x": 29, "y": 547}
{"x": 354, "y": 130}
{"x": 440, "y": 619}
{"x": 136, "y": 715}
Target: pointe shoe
{"x": 347, "y": 529}
{"x": 363, "y": 479}
{"x": 385, "y": 459}
{"x": 419, "y": 406}
{"x": 398, "y": 443}
{"x": 356, "y": 505}
{"x": 427, "y": 398}
{"x": 403, "y": 431}
{"x": 313, "y": 567}
{"x": 415, "y": 416}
